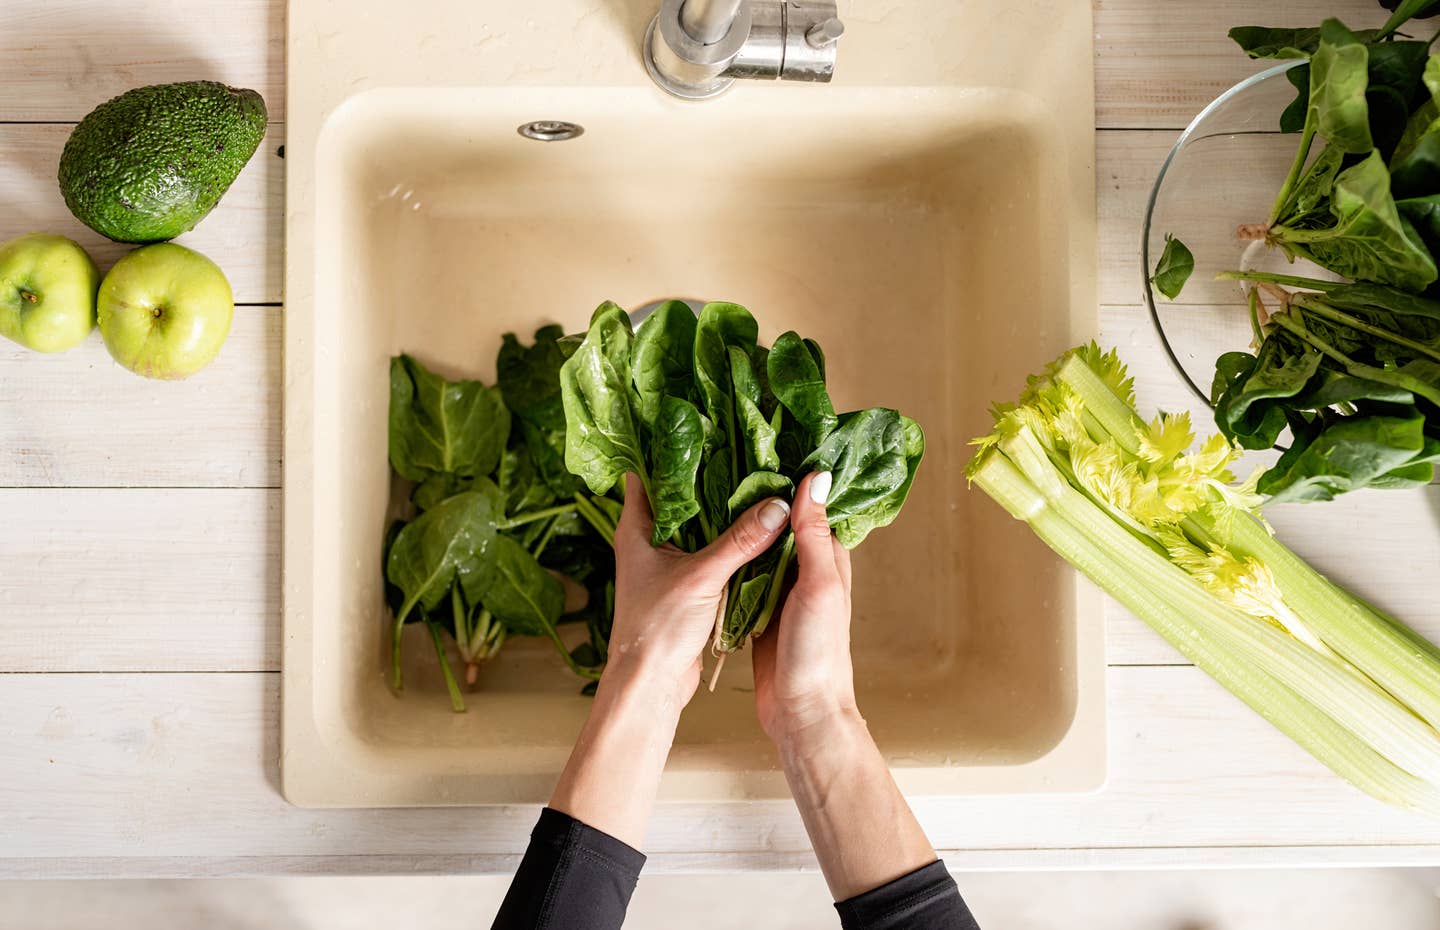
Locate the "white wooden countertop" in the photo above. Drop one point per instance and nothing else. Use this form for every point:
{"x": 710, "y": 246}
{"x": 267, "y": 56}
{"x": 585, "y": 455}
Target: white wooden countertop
{"x": 140, "y": 540}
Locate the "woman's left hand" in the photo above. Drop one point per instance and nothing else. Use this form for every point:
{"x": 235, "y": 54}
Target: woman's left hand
{"x": 666, "y": 600}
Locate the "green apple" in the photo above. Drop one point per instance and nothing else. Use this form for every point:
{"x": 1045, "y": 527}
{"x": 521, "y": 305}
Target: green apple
{"x": 165, "y": 311}
{"x": 47, "y": 292}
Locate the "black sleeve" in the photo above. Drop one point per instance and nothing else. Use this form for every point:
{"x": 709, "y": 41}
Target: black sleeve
{"x": 573, "y": 877}
{"x": 926, "y": 899}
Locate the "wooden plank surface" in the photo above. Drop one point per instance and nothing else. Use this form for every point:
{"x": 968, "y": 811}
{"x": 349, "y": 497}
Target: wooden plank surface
{"x": 59, "y": 59}
{"x": 168, "y": 580}
{"x": 129, "y": 765}
{"x": 1158, "y": 62}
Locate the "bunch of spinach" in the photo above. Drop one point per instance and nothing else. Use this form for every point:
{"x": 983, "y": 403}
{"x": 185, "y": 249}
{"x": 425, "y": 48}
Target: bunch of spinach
{"x": 712, "y": 423}
{"x": 496, "y": 517}
{"x": 1351, "y": 370}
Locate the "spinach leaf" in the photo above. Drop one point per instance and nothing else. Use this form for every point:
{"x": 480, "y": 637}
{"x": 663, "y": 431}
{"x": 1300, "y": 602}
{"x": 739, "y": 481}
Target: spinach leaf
{"x": 601, "y": 439}
{"x": 756, "y": 487}
{"x": 1315, "y": 186}
{"x": 521, "y": 485}
{"x": 1417, "y": 172}
{"x": 436, "y": 488}
{"x": 1174, "y": 268}
{"x": 717, "y": 481}
{"x": 664, "y": 358}
{"x": 742, "y": 611}
{"x": 677, "y": 442}
{"x": 1339, "y": 72}
{"x": 1282, "y": 43}
{"x": 1369, "y": 241}
{"x": 1292, "y": 118}
{"x": 1350, "y": 453}
{"x": 721, "y": 326}
{"x": 529, "y": 378}
{"x": 516, "y": 590}
{"x": 1394, "y": 71}
{"x": 443, "y": 427}
{"x": 866, "y": 455}
{"x": 446, "y": 543}
{"x": 798, "y": 380}
{"x": 1280, "y": 369}
{"x": 1332, "y": 387}
{"x": 1404, "y": 10}
{"x": 547, "y": 453}
{"x": 756, "y": 434}
{"x": 852, "y": 528}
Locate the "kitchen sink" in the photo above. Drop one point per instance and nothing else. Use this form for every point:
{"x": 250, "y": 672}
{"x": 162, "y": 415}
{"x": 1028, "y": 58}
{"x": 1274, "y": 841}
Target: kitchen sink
{"x": 926, "y": 236}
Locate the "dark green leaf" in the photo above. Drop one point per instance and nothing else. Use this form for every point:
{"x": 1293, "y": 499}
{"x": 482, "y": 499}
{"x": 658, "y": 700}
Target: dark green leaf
{"x": 866, "y": 455}
{"x": 547, "y": 453}
{"x": 443, "y": 427}
{"x": 756, "y": 487}
{"x": 1348, "y": 454}
{"x": 529, "y": 378}
{"x": 852, "y": 528}
{"x": 1292, "y": 118}
{"x": 444, "y": 543}
{"x": 1280, "y": 43}
{"x": 1174, "y": 268}
{"x": 601, "y": 439}
{"x": 721, "y": 325}
{"x": 742, "y": 611}
{"x": 754, "y": 431}
{"x": 437, "y": 488}
{"x": 1281, "y": 369}
{"x": 664, "y": 358}
{"x": 676, "y": 445}
{"x": 1404, "y": 10}
{"x": 516, "y": 590}
{"x": 1315, "y": 186}
{"x": 798, "y": 381}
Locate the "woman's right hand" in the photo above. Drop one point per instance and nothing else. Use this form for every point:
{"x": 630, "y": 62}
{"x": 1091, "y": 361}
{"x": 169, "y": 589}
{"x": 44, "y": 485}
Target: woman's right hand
{"x": 803, "y": 677}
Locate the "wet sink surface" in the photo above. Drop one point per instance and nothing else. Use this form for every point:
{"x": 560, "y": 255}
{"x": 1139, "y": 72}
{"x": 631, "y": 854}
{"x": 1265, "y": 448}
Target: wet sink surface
{"x": 913, "y": 232}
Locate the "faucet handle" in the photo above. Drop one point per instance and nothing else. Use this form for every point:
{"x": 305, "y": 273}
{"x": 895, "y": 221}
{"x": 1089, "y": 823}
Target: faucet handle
{"x": 824, "y": 33}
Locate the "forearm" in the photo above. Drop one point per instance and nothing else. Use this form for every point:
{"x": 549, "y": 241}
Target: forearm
{"x": 863, "y": 832}
{"x": 614, "y": 771}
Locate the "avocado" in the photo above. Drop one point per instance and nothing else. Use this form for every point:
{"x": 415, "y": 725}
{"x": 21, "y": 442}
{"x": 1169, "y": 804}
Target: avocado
{"x": 151, "y": 163}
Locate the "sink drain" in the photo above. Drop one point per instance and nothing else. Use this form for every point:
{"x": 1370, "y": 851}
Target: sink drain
{"x": 550, "y": 130}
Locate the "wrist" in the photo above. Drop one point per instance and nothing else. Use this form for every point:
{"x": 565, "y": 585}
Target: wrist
{"x": 811, "y": 728}
{"x": 649, "y": 689}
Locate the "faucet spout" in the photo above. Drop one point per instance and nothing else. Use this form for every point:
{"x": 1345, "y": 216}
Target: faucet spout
{"x": 697, "y": 48}
{"x": 707, "y": 21}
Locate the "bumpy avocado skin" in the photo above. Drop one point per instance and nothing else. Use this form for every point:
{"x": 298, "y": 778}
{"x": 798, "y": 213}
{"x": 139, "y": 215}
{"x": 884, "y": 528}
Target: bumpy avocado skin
{"x": 151, "y": 163}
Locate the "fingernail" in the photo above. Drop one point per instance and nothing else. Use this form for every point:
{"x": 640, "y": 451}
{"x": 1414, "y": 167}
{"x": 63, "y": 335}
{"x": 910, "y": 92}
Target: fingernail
{"x": 774, "y": 515}
{"x": 820, "y": 487}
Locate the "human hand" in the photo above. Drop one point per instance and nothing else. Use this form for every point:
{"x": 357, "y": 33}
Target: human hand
{"x": 666, "y": 600}
{"x": 803, "y": 675}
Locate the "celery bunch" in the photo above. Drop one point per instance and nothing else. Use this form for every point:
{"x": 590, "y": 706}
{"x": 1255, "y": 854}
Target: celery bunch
{"x": 1168, "y": 532}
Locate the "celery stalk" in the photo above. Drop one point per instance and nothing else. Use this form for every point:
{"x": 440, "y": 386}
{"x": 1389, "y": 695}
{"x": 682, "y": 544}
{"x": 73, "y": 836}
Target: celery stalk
{"x": 1313, "y": 730}
{"x": 1332, "y": 687}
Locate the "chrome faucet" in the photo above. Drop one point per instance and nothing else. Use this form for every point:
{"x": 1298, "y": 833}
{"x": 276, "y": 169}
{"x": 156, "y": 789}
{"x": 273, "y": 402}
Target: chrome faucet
{"x": 697, "y": 48}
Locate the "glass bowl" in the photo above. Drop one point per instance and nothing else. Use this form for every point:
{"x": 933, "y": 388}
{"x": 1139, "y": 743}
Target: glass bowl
{"x": 1223, "y": 171}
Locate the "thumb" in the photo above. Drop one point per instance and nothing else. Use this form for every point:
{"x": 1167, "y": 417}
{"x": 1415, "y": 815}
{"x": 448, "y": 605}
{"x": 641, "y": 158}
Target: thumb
{"x": 814, "y": 545}
{"x": 746, "y": 538}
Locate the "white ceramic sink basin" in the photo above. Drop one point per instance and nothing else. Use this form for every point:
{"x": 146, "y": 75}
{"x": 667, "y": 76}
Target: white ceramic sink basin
{"x": 923, "y": 235}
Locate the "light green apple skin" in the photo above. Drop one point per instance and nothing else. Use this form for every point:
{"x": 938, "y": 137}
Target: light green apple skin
{"x": 165, "y": 311}
{"x": 47, "y": 292}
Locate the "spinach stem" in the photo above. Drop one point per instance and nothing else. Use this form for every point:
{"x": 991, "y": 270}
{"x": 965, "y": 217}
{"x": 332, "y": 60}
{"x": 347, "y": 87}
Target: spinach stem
{"x": 397, "y": 677}
{"x": 534, "y": 515}
{"x": 545, "y": 539}
{"x": 1289, "y": 234}
{"x": 1307, "y": 136}
{"x": 595, "y": 518}
{"x": 576, "y": 667}
{"x": 1359, "y": 369}
{"x": 1254, "y": 303}
{"x": 777, "y": 583}
{"x": 457, "y": 700}
{"x": 1288, "y": 280}
{"x": 1319, "y": 308}
{"x": 462, "y": 623}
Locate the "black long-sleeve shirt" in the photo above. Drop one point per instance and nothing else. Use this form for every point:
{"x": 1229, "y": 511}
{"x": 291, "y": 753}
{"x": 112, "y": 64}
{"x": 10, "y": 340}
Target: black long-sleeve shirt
{"x": 574, "y": 877}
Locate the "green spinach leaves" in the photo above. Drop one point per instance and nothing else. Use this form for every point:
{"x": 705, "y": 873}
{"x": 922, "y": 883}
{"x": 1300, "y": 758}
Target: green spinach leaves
{"x": 714, "y": 423}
